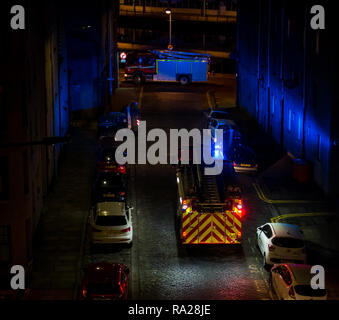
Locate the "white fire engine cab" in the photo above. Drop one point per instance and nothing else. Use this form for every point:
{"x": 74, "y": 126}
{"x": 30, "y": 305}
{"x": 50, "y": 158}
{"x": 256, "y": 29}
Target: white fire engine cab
{"x": 164, "y": 65}
{"x": 210, "y": 208}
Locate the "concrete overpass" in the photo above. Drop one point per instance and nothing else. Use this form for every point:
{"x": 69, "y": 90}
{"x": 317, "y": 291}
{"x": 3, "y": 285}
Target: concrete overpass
{"x": 184, "y": 14}
{"x": 134, "y": 46}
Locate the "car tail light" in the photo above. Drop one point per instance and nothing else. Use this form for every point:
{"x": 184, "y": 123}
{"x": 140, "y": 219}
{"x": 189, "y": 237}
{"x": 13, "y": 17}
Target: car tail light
{"x": 126, "y": 230}
{"x": 138, "y": 122}
{"x": 84, "y": 292}
{"x": 122, "y": 193}
{"x": 291, "y": 293}
{"x": 271, "y": 247}
{"x": 122, "y": 169}
{"x": 234, "y": 164}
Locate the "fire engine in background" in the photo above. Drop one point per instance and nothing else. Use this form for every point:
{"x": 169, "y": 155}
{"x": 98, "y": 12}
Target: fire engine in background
{"x": 184, "y": 67}
{"x": 210, "y": 208}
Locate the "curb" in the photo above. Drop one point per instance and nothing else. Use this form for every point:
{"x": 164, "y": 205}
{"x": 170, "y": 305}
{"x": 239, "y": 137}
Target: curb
{"x": 210, "y": 94}
{"x": 306, "y": 214}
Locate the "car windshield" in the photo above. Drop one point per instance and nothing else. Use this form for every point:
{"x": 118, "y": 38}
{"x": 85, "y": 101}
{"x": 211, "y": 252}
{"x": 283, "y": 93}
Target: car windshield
{"x": 306, "y": 290}
{"x": 103, "y": 288}
{"x": 112, "y": 221}
{"x": 243, "y": 154}
{"x": 219, "y": 115}
{"x": 288, "y": 242}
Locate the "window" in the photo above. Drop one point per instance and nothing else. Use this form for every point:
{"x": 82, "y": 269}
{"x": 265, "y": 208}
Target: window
{"x": 25, "y": 168}
{"x": 4, "y": 183}
{"x": 5, "y": 255}
{"x": 267, "y": 231}
{"x": 288, "y": 242}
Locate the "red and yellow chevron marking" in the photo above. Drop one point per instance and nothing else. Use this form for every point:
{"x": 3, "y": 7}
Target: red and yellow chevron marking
{"x": 211, "y": 228}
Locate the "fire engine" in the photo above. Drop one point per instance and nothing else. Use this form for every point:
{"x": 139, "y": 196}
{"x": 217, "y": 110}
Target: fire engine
{"x": 164, "y": 65}
{"x": 210, "y": 208}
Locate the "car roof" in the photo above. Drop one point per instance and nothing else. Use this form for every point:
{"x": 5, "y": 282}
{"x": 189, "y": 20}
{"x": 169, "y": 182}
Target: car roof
{"x": 286, "y": 230}
{"x": 103, "y": 272}
{"x": 301, "y": 273}
{"x": 219, "y": 111}
{"x": 110, "y": 209}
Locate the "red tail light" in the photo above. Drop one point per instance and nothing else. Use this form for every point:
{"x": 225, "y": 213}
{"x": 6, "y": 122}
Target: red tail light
{"x": 122, "y": 169}
{"x": 271, "y": 247}
{"x": 291, "y": 293}
{"x": 122, "y": 193}
{"x": 138, "y": 122}
{"x": 234, "y": 164}
{"x": 126, "y": 230}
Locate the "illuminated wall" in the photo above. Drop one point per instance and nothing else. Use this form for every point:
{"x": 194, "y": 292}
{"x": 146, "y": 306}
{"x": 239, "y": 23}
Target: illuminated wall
{"x": 286, "y": 79}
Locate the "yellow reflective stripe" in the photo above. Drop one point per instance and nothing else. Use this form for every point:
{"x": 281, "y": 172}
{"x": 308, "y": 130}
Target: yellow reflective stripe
{"x": 208, "y": 231}
{"x": 188, "y": 221}
{"x": 234, "y": 218}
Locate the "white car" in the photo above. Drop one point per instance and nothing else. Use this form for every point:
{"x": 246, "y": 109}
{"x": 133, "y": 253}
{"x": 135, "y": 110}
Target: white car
{"x": 111, "y": 222}
{"x": 293, "y": 282}
{"x": 281, "y": 242}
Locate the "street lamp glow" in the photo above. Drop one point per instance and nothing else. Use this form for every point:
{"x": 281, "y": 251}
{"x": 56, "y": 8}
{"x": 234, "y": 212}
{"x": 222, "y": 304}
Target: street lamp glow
{"x": 168, "y": 11}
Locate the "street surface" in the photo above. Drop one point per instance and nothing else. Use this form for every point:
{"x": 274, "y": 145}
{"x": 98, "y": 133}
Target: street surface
{"x": 160, "y": 267}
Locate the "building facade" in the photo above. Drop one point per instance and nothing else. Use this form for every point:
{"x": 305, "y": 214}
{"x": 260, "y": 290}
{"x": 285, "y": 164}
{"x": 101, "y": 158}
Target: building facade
{"x": 286, "y": 80}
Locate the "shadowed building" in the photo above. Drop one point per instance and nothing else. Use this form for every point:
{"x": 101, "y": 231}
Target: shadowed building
{"x": 286, "y": 80}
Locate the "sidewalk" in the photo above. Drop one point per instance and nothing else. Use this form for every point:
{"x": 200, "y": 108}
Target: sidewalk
{"x": 57, "y": 247}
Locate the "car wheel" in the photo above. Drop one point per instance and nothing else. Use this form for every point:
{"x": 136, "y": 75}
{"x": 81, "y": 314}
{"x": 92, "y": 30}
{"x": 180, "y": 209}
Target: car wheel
{"x": 184, "y": 80}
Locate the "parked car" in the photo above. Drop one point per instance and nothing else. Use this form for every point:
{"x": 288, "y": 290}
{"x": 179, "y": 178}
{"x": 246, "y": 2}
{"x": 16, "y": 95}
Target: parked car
{"x": 106, "y": 161}
{"x": 109, "y": 124}
{"x": 111, "y": 222}
{"x": 107, "y": 142}
{"x": 293, "y": 282}
{"x": 243, "y": 158}
{"x": 109, "y": 187}
{"x": 105, "y": 280}
{"x": 113, "y": 119}
{"x": 281, "y": 242}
